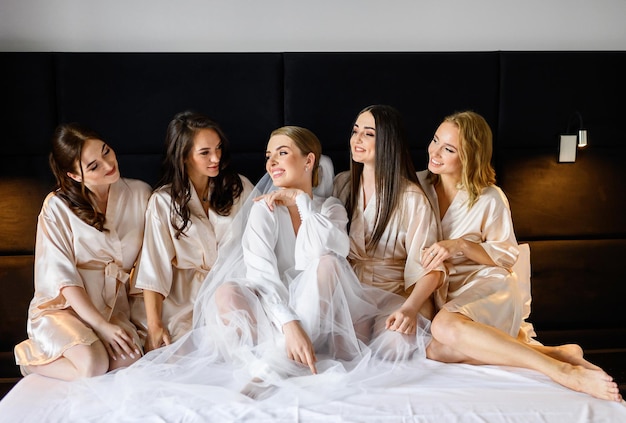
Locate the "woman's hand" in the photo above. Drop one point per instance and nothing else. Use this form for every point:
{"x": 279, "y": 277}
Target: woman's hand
{"x": 117, "y": 342}
{"x": 158, "y": 336}
{"x": 439, "y": 252}
{"x": 403, "y": 320}
{"x": 280, "y": 197}
{"x": 299, "y": 346}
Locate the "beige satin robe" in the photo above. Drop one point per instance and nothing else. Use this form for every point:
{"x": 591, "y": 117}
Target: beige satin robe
{"x": 69, "y": 252}
{"x": 395, "y": 264}
{"x": 176, "y": 268}
{"x": 486, "y": 294}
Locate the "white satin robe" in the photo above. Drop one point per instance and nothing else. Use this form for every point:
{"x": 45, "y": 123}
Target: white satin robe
{"x": 486, "y": 294}
{"x": 176, "y": 268}
{"x": 286, "y": 277}
{"x": 69, "y": 252}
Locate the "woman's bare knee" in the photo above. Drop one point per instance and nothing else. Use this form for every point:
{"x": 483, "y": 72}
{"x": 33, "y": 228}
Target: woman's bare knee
{"x": 89, "y": 360}
{"x": 327, "y": 270}
{"x": 229, "y": 297}
{"x": 447, "y": 327}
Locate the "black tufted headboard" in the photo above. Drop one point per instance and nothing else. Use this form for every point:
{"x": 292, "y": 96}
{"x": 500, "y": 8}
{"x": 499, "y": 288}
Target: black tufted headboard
{"x": 571, "y": 214}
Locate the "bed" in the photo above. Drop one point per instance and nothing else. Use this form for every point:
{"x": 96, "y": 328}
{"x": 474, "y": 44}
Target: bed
{"x": 419, "y": 390}
{"x": 426, "y": 391}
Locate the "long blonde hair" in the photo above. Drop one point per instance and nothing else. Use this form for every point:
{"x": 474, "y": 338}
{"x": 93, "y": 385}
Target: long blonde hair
{"x": 475, "y": 151}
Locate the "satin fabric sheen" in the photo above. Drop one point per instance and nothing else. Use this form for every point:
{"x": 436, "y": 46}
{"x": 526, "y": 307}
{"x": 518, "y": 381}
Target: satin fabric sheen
{"x": 176, "y": 268}
{"x": 485, "y": 294}
{"x": 69, "y": 252}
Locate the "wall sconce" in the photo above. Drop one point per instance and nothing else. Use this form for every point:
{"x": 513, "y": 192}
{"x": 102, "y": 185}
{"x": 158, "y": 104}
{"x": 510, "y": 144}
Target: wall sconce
{"x": 569, "y": 143}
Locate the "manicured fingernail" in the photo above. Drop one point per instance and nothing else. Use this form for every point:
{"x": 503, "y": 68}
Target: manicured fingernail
{"x": 123, "y": 357}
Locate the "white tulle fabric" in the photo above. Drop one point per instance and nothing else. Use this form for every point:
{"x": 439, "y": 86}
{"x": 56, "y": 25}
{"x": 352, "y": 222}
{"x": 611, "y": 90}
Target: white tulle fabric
{"x": 265, "y": 276}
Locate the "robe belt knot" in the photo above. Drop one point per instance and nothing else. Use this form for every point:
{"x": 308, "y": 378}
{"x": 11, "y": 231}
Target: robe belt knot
{"x": 112, "y": 270}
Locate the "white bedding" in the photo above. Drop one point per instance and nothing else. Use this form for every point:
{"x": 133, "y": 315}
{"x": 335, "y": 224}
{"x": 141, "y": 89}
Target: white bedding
{"x": 429, "y": 392}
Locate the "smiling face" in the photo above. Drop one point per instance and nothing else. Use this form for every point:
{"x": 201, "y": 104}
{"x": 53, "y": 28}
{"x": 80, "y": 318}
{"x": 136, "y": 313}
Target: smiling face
{"x": 205, "y": 155}
{"x": 286, "y": 164}
{"x": 99, "y": 165}
{"x": 443, "y": 151}
{"x": 363, "y": 139}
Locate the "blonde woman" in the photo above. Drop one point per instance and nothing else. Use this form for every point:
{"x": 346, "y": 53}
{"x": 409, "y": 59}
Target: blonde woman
{"x": 481, "y": 314}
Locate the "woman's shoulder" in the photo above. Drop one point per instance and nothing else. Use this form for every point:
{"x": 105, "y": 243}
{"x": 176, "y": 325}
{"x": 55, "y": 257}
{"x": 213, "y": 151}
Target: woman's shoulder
{"x": 137, "y": 186}
{"x": 493, "y": 194}
{"x": 245, "y": 182}
{"x": 161, "y": 196}
{"x": 341, "y": 185}
{"x": 422, "y": 177}
{"x": 244, "y": 179}
{"x": 413, "y": 197}
{"x": 53, "y": 203}
{"x": 329, "y": 201}
{"x": 413, "y": 190}
{"x": 342, "y": 178}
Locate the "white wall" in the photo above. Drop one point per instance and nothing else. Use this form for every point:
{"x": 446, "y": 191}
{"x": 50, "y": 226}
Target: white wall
{"x": 314, "y": 25}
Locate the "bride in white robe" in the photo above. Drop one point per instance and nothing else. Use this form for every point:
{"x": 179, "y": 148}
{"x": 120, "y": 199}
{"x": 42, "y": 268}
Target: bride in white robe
{"x": 298, "y": 299}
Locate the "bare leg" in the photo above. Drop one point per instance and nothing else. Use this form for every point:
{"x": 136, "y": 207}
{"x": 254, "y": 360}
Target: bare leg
{"x": 459, "y": 339}
{"x": 229, "y": 298}
{"x": 567, "y": 353}
{"x": 338, "y": 345}
{"x": 78, "y": 361}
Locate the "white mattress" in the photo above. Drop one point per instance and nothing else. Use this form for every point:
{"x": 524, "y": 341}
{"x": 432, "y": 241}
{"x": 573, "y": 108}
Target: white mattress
{"x": 429, "y": 392}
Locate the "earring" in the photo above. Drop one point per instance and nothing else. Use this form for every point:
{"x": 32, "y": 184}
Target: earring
{"x": 306, "y": 169}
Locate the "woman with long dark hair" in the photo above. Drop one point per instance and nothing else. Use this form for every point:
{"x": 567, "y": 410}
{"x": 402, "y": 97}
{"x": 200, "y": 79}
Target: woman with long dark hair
{"x": 390, "y": 222}
{"x": 89, "y": 234}
{"x": 187, "y": 218}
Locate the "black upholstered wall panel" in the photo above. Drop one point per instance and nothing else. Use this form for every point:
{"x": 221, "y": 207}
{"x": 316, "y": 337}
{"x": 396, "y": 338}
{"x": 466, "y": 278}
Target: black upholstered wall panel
{"x": 551, "y": 200}
{"x": 540, "y": 91}
{"x": 28, "y": 114}
{"x": 16, "y": 275}
{"x": 570, "y": 213}
{"x": 20, "y": 202}
{"x": 130, "y": 98}
{"x": 574, "y": 285}
{"x": 325, "y": 91}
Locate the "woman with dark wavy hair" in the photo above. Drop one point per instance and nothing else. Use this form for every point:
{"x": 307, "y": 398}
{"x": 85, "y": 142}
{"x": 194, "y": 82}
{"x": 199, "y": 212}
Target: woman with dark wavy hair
{"x": 89, "y": 234}
{"x": 188, "y": 215}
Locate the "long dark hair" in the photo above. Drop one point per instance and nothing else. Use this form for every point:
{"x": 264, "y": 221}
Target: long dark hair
{"x": 67, "y": 147}
{"x": 394, "y": 168}
{"x": 224, "y": 189}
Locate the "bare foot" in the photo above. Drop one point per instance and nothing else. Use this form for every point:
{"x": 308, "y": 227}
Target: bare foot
{"x": 568, "y": 353}
{"x": 596, "y": 383}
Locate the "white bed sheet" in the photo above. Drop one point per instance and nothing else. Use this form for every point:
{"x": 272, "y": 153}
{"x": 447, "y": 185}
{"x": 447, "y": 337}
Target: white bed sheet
{"x": 431, "y": 392}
